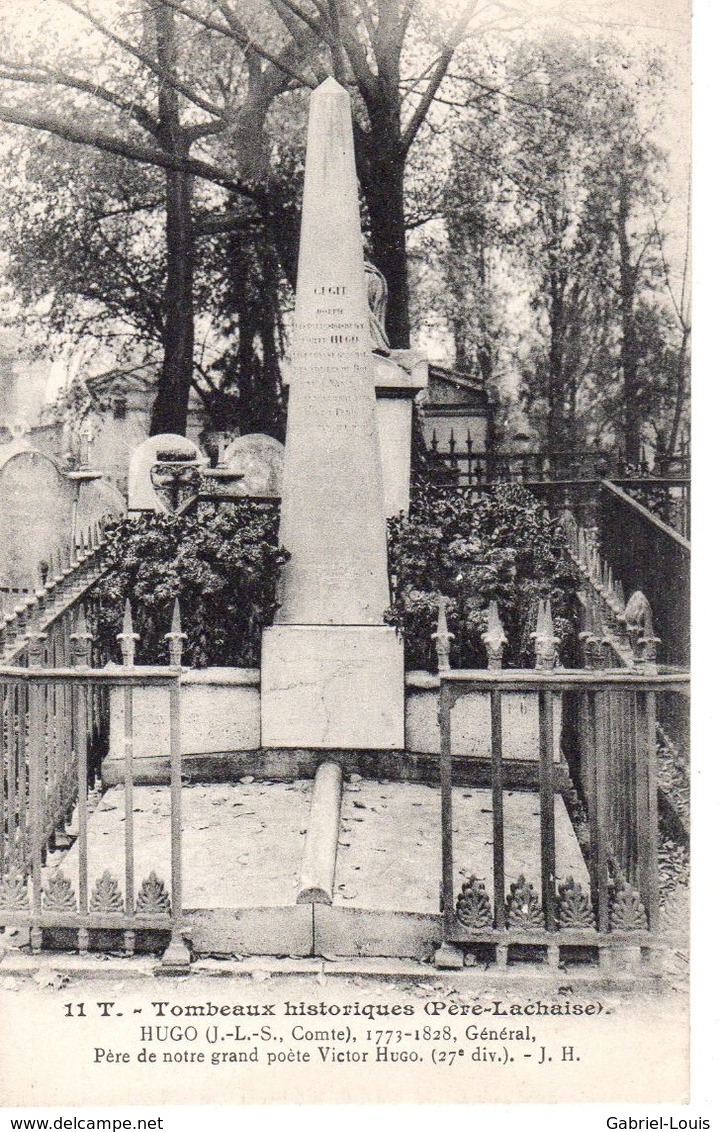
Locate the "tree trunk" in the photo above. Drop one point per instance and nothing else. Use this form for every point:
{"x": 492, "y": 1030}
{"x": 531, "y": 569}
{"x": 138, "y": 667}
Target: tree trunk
{"x": 171, "y": 403}
{"x": 679, "y": 392}
{"x": 170, "y": 410}
{"x": 381, "y": 167}
{"x": 628, "y": 347}
{"x": 555, "y": 378}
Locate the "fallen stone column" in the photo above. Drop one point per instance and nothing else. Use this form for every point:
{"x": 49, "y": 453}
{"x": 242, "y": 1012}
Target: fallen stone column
{"x": 317, "y": 875}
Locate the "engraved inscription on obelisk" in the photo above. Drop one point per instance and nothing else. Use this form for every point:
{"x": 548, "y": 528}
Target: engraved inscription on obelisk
{"x": 332, "y": 672}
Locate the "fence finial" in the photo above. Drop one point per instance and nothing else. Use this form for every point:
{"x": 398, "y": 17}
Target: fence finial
{"x": 442, "y": 637}
{"x": 128, "y": 637}
{"x": 56, "y": 565}
{"x": 638, "y": 616}
{"x": 494, "y": 637}
{"x": 81, "y": 640}
{"x": 176, "y": 636}
{"x": 544, "y": 636}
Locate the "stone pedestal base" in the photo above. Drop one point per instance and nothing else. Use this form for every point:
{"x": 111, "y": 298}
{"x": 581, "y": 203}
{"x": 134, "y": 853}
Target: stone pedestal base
{"x": 332, "y": 686}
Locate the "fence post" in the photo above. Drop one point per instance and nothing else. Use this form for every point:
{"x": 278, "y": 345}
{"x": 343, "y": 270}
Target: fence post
{"x": 497, "y": 807}
{"x": 547, "y": 807}
{"x": 36, "y": 764}
{"x": 600, "y": 744}
{"x": 448, "y": 956}
{"x": 442, "y": 637}
{"x": 177, "y": 953}
{"x": 127, "y": 640}
{"x": 494, "y": 638}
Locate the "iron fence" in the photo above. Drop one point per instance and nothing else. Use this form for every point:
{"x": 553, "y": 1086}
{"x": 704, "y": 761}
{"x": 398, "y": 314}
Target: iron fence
{"x": 44, "y": 787}
{"x": 618, "y": 769}
{"x": 647, "y": 555}
{"x": 570, "y": 476}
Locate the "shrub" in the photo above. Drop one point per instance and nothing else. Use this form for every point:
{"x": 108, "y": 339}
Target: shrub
{"x": 475, "y": 547}
{"x": 222, "y": 563}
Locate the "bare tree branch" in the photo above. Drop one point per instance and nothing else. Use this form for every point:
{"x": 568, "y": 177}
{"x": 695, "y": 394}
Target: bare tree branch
{"x": 314, "y": 24}
{"x": 444, "y": 60}
{"x": 86, "y": 134}
{"x": 147, "y": 61}
{"x": 46, "y": 76}
{"x": 354, "y": 49}
{"x": 235, "y": 29}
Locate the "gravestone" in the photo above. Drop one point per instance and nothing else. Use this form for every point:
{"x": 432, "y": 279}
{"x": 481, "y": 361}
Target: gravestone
{"x": 142, "y": 495}
{"x": 36, "y": 509}
{"x": 332, "y": 672}
{"x": 14, "y": 441}
{"x": 258, "y": 459}
{"x": 96, "y": 500}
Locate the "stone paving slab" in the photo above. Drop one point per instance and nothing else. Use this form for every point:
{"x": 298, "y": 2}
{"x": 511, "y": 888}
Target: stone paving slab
{"x": 242, "y": 843}
{"x": 389, "y": 844}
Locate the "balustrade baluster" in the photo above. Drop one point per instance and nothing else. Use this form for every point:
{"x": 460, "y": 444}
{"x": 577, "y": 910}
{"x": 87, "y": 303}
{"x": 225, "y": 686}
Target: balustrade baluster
{"x": 497, "y": 805}
{"x": 647, "y": 810}
{"x": 547, "y": 807}
{"x": 599, "y": 748}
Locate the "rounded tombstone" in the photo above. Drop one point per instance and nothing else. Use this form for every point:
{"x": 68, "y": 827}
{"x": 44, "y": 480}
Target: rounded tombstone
{"x": 36, "y": 511}
{"x": 259, "y": 460}
{"x": 166, "y": 448}
{"x": 97, "y": 500}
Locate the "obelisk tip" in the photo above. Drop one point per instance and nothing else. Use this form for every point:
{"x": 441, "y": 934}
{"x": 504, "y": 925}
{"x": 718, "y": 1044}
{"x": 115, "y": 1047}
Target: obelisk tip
{"x": 329, "y": 86}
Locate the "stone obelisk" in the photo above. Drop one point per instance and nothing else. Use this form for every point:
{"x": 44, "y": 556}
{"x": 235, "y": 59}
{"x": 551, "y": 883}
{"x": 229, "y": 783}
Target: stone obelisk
{"x": 332, "y": 673}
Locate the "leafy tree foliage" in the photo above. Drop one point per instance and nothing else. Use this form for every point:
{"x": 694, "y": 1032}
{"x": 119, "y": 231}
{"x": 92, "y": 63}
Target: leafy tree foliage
{"x": 222, "y": 564}
{"x": 147, "y": 86}
{"x": 475, "y": 548}
{"x": 557, "y": 177}
{"x": 193, "y": 91}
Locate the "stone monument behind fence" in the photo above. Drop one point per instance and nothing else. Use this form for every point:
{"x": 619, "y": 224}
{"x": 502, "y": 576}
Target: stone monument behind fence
{"x": 36, "y": 512}
{"x": 332, "y": 672}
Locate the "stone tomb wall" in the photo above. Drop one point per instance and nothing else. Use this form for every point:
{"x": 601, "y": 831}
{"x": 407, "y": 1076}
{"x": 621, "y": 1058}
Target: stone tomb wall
{"x": 220, "y": 717}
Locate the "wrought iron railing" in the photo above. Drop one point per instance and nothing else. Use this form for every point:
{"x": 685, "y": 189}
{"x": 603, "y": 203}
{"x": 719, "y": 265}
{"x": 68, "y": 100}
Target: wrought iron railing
{"x": 621, "y": 907}
{"x": 53, "y": 620}
{"x": 570, "y": 475}
{"x": 610, "y": 709}
{"x": 46, "y": 732}
{"x": 649, "y": 556}
{"x": 619, "y": 633}
{"x": 64, "y": 586}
